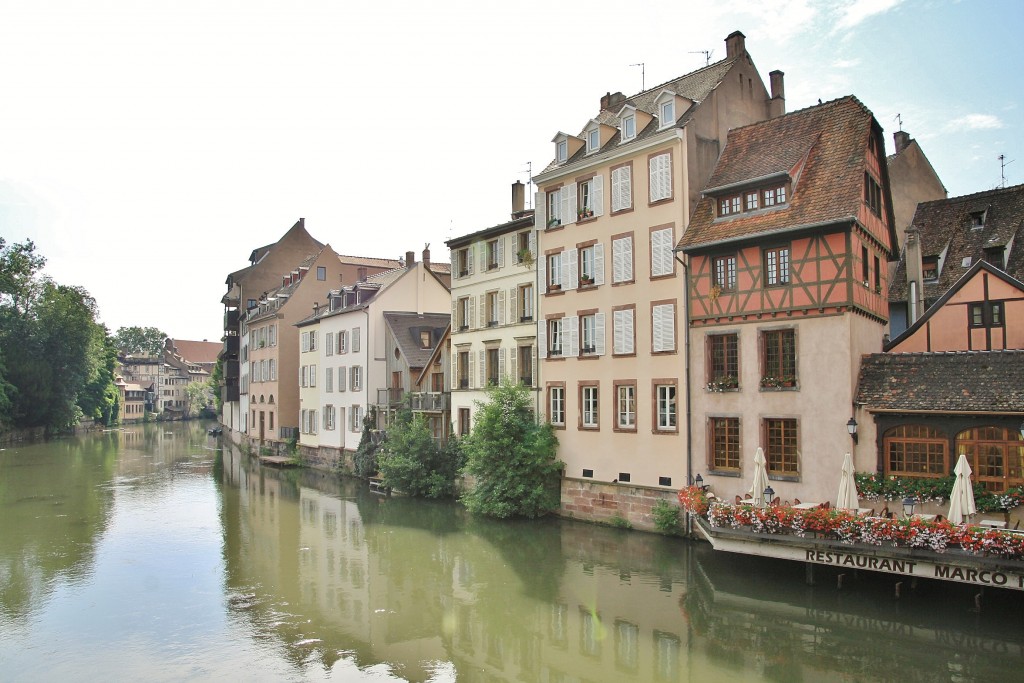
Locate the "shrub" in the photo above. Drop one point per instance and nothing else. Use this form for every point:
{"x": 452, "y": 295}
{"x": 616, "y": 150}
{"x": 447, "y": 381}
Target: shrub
{"x": 511, "y": 457}
{"x": 366, "y": 452}
{"x": 666, "y": 517}
{"x": 410, "y": 460}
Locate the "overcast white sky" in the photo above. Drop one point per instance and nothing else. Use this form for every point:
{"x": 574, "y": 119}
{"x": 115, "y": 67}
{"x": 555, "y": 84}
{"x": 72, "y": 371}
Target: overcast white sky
{"x": 148, "y": 147}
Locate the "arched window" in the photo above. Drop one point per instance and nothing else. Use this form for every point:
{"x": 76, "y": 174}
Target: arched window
{"x": 996, "y": 455}
{"x": 271, "y": 400}
{"x": 916, "y": 450}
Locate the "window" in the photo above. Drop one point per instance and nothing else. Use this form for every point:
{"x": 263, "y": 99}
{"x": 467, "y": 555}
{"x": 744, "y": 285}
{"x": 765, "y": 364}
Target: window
{"x": 588, "y": 333}
{"x": 930, "y": 268}
{"x": 463, "y": 369}
{"x": 356, "y": 379}
{"x": 356, "y": 418}
{"x": 464, "y": 264}
{"x": 329, "y": 380}
{"x": 623, "y": 334}
{"x": 321, "y": 273}
{"x": 878, "y": 275}
{"x": 729, "y": 205}
{"x": 665, "y": 397}
{"x": 464, "y": 424}
{"x": 662, "y": 260}
{"x": 872, "y": 194}
{"x": 660, "y": 177}
{"x": 622, "y": 259}
{"x": 865, "y": 265}
{"x": 782, "y": 448}
{"x": 586, "y": 265}
{"x": 915, "y": 450}
{"x": 554, "y": 208}
{"x": 668, "y": 113}
{"x": 562, "y": 151}
{"x": 724, "y": 443}
{"x": 778, "y": 358}
{"x": 774, "y": 196}
{"x": 588, "y": 407}
{"x": 724, "y": 273}
{"x": 986, "y": 314}
{"x": 312, "y": 375}
{"x": 555, "y": 272}
{"x": 493, "y": 247}
{"x": 524, "y": 302}
{"x": 304, "y": 380}
{"x": 996, "y": 455}
{"x": 523, "y": 250}
{"x": 723, "y": 361}
{"x": 750, "y": 201}
{"x": 328, "y": 418}
{"x": 312, "y": 340}
{"x": 329, "y": 344}
{"x": 493, "y": 366}
{"x": 425, "y": 342}
{"x": 663, "y": 328}
{"x": 556, "y": 403}
{"x": 555, "y": 337}
{"x": 593, "y": 140}
{"x": 626, "y": 406}
{"x": 343, "y": 342}
{"x": 588, "y": 198}
{"x": 776, "y": 266}
{"x": 355, "y": 340}
{"x": 273, "y": 335}
{"x": 628, "y": 127}
{"x": 525, "y": 354}
{"x": 491, "y": 299}
{"x": 462, "y": 313}
{"x": 342, "y": 377}
{"x": 622, "y": 188}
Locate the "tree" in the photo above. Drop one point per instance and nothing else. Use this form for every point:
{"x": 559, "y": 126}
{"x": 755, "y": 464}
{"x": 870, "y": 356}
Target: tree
{"x": 216, "y": 380}
{"x": 411, "y": 461}
{"x": 366, "y": 452}
{"x": 197, "y": 397}
{"x": 511, "y": 457}
{"x": 19, "y": 265}
{"x": 99, "y": 397}
{"x": 147, "y": 341}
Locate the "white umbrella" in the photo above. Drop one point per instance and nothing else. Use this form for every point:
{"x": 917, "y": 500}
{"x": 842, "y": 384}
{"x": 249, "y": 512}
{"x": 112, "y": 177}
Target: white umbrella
{"x": 961, "y": 499}
{"x": 760, "y": 478}
{"x": 847, "y": 497}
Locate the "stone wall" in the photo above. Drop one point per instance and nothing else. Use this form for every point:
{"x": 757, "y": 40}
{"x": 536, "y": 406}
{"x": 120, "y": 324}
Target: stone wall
{"x": 606, "y": 503}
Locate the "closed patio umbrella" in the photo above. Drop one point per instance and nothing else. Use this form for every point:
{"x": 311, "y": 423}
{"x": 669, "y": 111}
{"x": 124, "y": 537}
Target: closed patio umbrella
{"x": 847, "y": 497}
{"x": 961, "y": 499}
{"x": 760, "y": 478}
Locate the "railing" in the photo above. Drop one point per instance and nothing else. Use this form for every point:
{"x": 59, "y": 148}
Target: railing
{"x": 389, "y": 397}
{"x": 430, "y": 401}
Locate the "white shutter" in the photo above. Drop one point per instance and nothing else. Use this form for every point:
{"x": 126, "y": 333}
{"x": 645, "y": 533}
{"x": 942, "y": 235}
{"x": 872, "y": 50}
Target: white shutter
{"x": 513, "y": 357}
{"x": 454, "y": 376}
{"x": 599, "y": 334}
{"x": 542, "y": 339}
{"x": 598, "y": 264}
{"x": 661, "y": 252}
{"x": 355, "y": 340}
{"x": 513, "y": 304}
{"x": 571, "y": 335}
{"x": 455, "y": 313}
{"x": 471, "y": 369}
{"x": 663, "y": 326}
{"x": 482, "y": 310}
{"x": 483, "y": 368}
{"x": 501, "y": 252}
{"x": 532, "y": 244}
{"x": 569, "y": 198}
{"x": 627, "y": 258}
{"x": 542, "y": 272}
{"x": 540, "y": 207}
{"x": 471, "y": 320}
{"x": 616, "y": 192}
{"x": 597, "y": 188}
{"x": 617, "y": 331}
{"x": 453, "y": 259}
{"x": 501, "y": 307}
{"x": 342, "y": 376}
{"x": 501, "y": 363}
{"x": 627, "y": 331}
{"x": 570, "y": 270}
{"x": 469, "y": 260}
{"x": 626, "y": 187}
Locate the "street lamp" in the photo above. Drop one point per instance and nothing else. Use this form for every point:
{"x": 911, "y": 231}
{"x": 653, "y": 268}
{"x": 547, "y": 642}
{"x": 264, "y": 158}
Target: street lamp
{"x": 698, "y": 481}
{"x": 851, "y": 427}
{"x": 769, "y": 494}
{"x": 908, "y": 506}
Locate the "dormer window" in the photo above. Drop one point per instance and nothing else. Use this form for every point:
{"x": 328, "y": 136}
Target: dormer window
{"x": 930, "y": 268}
{"x": 628, "y": 127}
{"x": 593, "y": 140}
{"x": 562, "y": 151}
{"x": 751, "y": 200}
{"x": 774, "y": 196}
{"x": 668, "y": 113}
{"x": 977, "y": 220}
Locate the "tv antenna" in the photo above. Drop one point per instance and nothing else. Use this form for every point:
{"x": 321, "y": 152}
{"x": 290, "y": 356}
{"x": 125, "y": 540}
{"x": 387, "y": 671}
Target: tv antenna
{"x": 1003, "y": 163}
{"x": 707, "y": 55}
{"x": 529, "y": 181}
{"x": 643, "y": 75}
{"x": 898, "y": 119}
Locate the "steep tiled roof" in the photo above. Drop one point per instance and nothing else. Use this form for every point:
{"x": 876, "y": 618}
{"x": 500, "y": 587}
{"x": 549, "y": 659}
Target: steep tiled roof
{"x": 948, "y": 222}
{"x": 695, "y": 86}
{"x": 368, "y": 261}
{"x": 956, "y": 382}
{"x": 406, "y": 327}
{"x": 500, "y": 229}
{"x": 823, "y": 146}
{"x": 197, "y": 351}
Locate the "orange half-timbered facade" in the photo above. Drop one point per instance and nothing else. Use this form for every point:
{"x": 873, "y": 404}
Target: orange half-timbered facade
{"x": 787, "y": 258}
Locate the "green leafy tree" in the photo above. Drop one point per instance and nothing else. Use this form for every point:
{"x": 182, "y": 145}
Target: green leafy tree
{"x": 197, "y": 397}
{"x": 411, "y": 461}
{"x": 19, "y": 266}
{"x": 216, "y": 380}
{"x": 511, "y": 457}
{"x": 7, "y": 393}
{"x": 366, "y": 452}
{"x": 147, "y": 341}
{"x": 99, "y": 397}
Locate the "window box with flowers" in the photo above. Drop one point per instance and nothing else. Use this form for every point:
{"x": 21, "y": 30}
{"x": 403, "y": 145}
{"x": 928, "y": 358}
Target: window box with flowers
{"x": 724, "y": 383}
{"x": 554, "y": 222}
{"x": 772, "y": 382}
{"x": 584, "y": 213}
{"x": 586, "y": 281}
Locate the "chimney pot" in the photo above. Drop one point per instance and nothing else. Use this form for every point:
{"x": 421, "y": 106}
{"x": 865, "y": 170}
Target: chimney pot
{"x": 410, "y": 259}
{"x": 735, "y": 45}
{"x": 777, "y": 106}
{"x": 426, "y": 257}
{"x": 518, "y": 198}
{"x": 902, "y": 139}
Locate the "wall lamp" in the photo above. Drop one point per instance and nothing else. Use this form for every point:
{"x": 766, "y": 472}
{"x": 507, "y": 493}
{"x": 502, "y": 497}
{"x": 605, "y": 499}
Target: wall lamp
{"x": 851, "y": 427}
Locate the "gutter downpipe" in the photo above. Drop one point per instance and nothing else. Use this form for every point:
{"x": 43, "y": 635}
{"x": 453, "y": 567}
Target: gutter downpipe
{"x": 686, "y": 366}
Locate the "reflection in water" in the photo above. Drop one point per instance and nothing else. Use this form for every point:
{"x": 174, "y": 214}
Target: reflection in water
{"x": 147, "y": 554}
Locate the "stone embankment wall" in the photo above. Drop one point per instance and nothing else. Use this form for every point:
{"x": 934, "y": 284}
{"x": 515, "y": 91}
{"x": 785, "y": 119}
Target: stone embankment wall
{"x": 612, "y": 504}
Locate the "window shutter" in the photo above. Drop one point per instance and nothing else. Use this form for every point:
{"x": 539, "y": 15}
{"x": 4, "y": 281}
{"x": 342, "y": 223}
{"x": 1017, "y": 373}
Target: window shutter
{"x": 571, "y": 335}
{"x": 482, "y": 309}
{"x": 355, "y": 340}
{"x": 663, "y": 326}
{"x": 542, "y": 339}
{"x": 472, "y": 312}
{"x": 540, "y": 207}
{"x": 469, "y": 260}
{"x": 483, "y": 368}
{"x": 599, "y": 334}
{"x": 532, "y": 244}
{"x": 568, "y": 204}
{"x": 598, "y": 264}
{"x": 542, "y": 273}
{"x": 455, "y": 313}
{"x": 501, "y": 363}
{"x": 661, "y": 252}
{"x": 616, "y": 192}
{"x": 342, "y": 376}
{"x": 501, "y": 307}
{"x": 513, "y": 305}
{"x": 513, "y": 360}
{"x": 626, "y": 187}
{"x": 597, "y": 187}
{"x": 454, "y": 375}
{"x": 570, "y": 271}
{"x": 470, "y": 374}
{"x": 501, "y": 252}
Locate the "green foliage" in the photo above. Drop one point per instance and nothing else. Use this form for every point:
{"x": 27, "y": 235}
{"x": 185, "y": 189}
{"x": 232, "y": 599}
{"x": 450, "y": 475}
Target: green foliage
{"x": 620, "y": 522}
{"x": 511, "y": 457}
{"x": 216, "y": 380}
{"x": 666, "y": 517}
{"x": 366, "y": 452}
{"x": 147, "y": 341}
{"x": 197, "y": 397}
{"x": 410, "y": 461}
{"x": 99, "y": 398}
{"x": 892, "y": 488}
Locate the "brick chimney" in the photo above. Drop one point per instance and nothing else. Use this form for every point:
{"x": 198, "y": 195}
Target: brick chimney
{"x": 777, "y": 105}
{"x": 426, "y": 255}
{"x": 902, "y": 139}
{"x": 518, "y": 198}
{"x": 735, "y": 45}
{"x": 361, "y": 274}
{"x": 612, "y": 101}
{"x": 915, "y": 275}
{"x": 410, "y": 259}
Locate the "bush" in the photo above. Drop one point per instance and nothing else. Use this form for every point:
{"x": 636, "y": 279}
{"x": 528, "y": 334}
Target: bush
{"x": 666, "y": 517}
{"x": 410, "y": 461}
{"x": 511, "y": 457}
{"x": 366, "y": 452}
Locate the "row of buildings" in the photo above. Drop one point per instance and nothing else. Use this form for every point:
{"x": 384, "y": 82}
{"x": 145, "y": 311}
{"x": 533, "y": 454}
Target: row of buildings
{"x": 702, "y": 274}
{"x": 156, "y": 384}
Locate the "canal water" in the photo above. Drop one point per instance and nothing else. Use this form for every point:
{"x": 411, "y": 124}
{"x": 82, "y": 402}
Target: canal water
{"x": 154, "y": 553}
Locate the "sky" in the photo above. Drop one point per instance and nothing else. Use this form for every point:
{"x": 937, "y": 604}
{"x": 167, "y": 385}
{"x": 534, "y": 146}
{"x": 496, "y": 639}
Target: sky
{"x": 148, "y": 147}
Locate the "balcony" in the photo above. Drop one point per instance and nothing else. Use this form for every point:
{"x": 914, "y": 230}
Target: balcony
{"x": 231, "y": 346}
{"x": 430, "y": 402}
{"x": 231, "y": 320}
{"x": 229, "y": 393}
{"x": 390, "y": 397}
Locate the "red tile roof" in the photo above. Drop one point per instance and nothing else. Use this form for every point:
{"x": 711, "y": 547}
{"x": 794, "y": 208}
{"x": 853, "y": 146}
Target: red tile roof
{"x": 197, "y": 351}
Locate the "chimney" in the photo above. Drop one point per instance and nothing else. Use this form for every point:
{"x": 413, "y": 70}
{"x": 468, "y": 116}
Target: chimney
{"x": 902, "y": 139}
{"x": 777, "y": 105}
{"x": 361, "y": 274}
{"x": 915, "y": 275}
{"x": 410, "y": 259}
{"x": 611, "y": 101}
{"x": 518, "y": 198}
{"x": 735, "y": 45}
{"x": 426, "y": 255}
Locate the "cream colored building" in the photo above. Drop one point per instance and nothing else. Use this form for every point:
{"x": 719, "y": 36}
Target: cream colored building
{"x": 494, "y": 304}
{"x": 611, "y": 332}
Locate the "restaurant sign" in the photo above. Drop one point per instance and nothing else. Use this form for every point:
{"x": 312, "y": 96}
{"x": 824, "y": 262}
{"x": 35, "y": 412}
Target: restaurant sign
{"x": 962, "y": 569}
